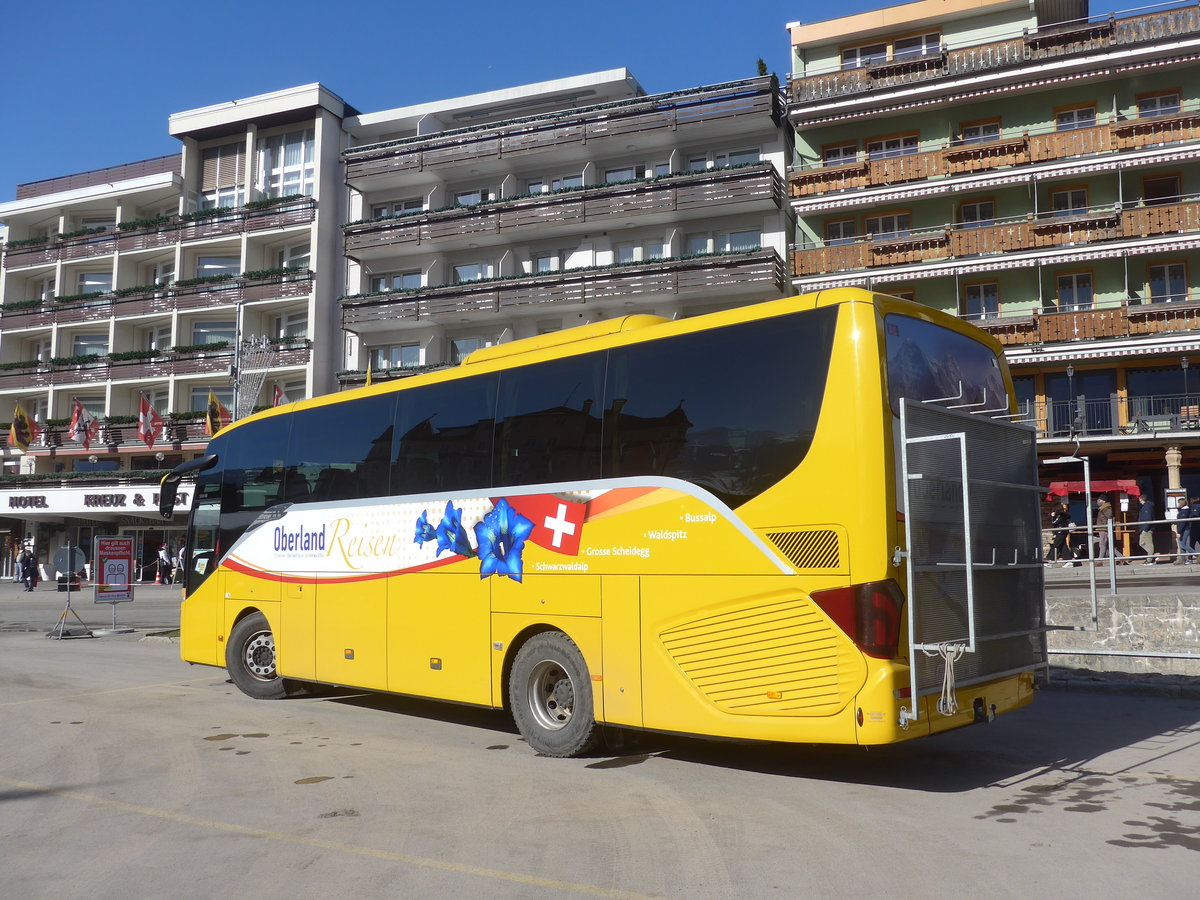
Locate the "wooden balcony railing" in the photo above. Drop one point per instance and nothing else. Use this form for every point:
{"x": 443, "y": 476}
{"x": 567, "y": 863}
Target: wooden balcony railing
{"x": 675, "y": 112}
{"x": 954, "y": 241}
{"x": 1125, "y": 319}
{"x": 1069, "y": 39}
{"x": 166, "y": 300}
{"x": 294, "y": 212}
{"x": 1006, "y": 152}
{"x": 759, "y": 271}
{"x": 758, "y": 185}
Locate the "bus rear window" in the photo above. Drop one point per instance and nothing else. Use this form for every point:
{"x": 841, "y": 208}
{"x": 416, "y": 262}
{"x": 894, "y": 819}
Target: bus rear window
{"x": 929, "y": 362}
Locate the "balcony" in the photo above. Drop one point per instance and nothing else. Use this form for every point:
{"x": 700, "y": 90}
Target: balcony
{"x": 1071, "y": 40}
{"x": 1090, "y": 227}
{"x": 1127, "y": 318}
{"x": 166, "y": 299}
{"x": 218, "y": 360}
{"x": 165, "y": 232}
{"x": 1118, "y": 416}
{"x": 731, "y": 190}
{"x": 673, "y": 115}
{"x": 755, "y": 272}
{"x": 178, "y": 429}
{"x": 1015, "y": 149}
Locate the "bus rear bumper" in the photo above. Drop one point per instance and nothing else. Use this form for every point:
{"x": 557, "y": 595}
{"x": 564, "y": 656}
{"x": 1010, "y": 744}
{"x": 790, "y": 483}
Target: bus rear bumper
{"x": 880, "y": 720}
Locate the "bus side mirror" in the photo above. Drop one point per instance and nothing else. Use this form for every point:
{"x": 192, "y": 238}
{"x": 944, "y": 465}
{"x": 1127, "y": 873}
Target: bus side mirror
{"x": 168, "y": 488}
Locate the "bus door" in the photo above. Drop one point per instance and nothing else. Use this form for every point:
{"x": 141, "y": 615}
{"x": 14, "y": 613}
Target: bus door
{"x": 973, "y": 535}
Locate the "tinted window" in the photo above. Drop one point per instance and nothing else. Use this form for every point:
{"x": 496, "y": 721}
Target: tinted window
{"x": 445, "y": 436}
{"x": 929, "y": 362}
{"x": 733, "y": 409}
{"x": 549, "y": 421}
{"x": 253, "y": 457}
{"x": 340, "y": 452}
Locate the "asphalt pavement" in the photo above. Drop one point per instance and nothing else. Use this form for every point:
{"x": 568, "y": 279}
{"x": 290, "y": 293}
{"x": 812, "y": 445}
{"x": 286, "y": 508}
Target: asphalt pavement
{"x": 155, "y": 607}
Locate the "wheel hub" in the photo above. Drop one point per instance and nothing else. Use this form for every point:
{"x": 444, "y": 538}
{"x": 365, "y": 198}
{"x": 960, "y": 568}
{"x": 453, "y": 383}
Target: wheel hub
{"x": 260, "y": 655}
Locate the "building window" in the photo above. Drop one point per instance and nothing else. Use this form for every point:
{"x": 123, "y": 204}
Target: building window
{"x": 639, "y": 252}
{"x": 287, "y": 162}
{"x": 902, "y": 293}
{"x": 87, "y": 344}
{"x": 158, "y": 337}
{"x": 917, "y": 46}
{"x": 1080, "y": 117}
{"x": 1164, "y": 104}
{"x": 977, "y": 214}
{"x": 208, "y": 266}
{"x": 397, "y": 208}
{"x": 737, "y": 158}
{"x": 40, "y": 350}
{"x": 723, "y": 242}
{"x": 163, "y": 273}
{"x": 1159, "y": 189}
{"x": 839, "y": 232}
{"x": 1075, "y": 291}
{"x": 472, "y": 196}
{"x": 471, "y": 272}
{"x": 43, "y": 289}
{"x": 222, "y": 175}
{"x": 461, "y": 348}
{"x": 396, "y": 281}
{"x": 198, "y": 398}
{"x": 624, "y": 173}
{"x": 214, "y": 332}
{"x": 91, "y": 282}
{"x": 981, "y": 301}
{"x": 1168, "y": 283}
{"x": 1069, "y": 201}
{"x": 840, "y": 155}
{"x": 291, "y": 325}
{"x": 295, "y": 256}
{"x": 858, "y": 57}
{"x": 395, "y": 356}
{"x": 980, "y": 133}
{"x": 889, "y": 225}
{"x": 884, "y": 148}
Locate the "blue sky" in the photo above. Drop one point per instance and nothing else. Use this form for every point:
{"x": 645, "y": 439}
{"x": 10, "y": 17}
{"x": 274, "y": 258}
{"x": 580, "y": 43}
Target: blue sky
{"x": 90, "y": 84}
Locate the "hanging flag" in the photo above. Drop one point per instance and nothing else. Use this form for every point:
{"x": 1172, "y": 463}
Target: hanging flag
{"x": 216, "y": 416}
{"x": 24, "y": 430}
{"x": 279, "y": 397}
{"x": 150, "y": 423}
{"x": 368, "y": 373}
{"x": 84, "y": 426}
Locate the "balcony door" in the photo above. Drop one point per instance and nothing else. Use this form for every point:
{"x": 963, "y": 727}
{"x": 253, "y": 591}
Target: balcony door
{"x": 1063, "y": 393}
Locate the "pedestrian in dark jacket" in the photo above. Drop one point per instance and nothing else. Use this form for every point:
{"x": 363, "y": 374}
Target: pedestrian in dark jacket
{"x": 1146, "y": 530}
{"x": 1060, "y": 518}
{"x": 29, "y": 570}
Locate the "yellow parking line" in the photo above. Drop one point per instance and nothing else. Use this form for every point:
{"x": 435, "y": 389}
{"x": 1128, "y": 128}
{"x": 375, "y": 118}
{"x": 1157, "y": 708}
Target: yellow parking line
{"x": 424, "y": 862}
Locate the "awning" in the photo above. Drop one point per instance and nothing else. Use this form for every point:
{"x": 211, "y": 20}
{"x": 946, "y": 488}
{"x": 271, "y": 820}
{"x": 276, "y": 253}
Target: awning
{"x": 1062, "y": 488}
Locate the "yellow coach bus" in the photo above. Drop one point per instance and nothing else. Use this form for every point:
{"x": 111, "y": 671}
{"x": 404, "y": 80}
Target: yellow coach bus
{"x": 808, "y": 520}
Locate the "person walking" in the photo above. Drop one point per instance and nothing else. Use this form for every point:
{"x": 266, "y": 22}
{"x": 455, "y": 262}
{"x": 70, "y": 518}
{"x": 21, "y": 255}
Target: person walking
{"x": 1060, "y": 520}
{"x": 1146, "y": 530}
{"x": 164, "y": 565}
{"x": 1185, "y": 525}
{"x": 29, "y": 571}
{"x": 1104, "y": 515}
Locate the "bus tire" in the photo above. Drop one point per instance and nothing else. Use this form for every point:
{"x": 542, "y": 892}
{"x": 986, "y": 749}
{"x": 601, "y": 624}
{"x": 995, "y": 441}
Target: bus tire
{"x": 250, "y": 659}
{"x": 550, "y": 693}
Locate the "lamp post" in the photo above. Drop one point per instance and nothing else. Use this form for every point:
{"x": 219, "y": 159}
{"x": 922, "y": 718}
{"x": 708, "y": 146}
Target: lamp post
{"x": 1073, "y": 407}
{"x": 158, "y": 459}
{"x": 1183, "y": 364}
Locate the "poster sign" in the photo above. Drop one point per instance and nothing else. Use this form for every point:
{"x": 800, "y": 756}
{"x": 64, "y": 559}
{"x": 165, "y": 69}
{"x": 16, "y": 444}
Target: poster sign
{"x": 114, "y": 569}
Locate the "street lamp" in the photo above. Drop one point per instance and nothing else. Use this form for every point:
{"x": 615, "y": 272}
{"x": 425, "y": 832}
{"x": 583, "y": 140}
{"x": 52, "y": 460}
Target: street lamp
{"x": 1074, "y": 407}
{"x": 1183, "y": 364}
{"x": 158, "y": 459}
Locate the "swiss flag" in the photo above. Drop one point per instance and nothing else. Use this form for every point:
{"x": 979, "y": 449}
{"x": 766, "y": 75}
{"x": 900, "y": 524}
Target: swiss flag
{"x": 150, "y": 423}
{"x": 278, "y": 398}
{"x": 557, "y": 523}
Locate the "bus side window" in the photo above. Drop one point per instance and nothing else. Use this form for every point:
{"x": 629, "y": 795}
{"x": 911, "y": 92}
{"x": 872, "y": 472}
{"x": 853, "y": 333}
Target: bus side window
{"x": 341, "y": 451}
{"x": 445, "y": 436}
{"x": 548, "y": 424}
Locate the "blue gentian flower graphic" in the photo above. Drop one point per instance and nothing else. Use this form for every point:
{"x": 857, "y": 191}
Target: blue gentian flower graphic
{"x": 425, "y": 531}
{"x": 450, "y": 533}
{"x": 501, "y": 537}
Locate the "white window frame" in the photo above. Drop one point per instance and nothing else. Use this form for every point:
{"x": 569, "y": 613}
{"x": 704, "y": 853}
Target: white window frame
{"x": 1074, "y": 208}
{"x": 971, "y": 214}
{"x": 1078, "y": 117}
{"x": 198, "y": 397}
{"x": 394, "y": 356}
{"x": 83, "y": 344}
{"x": 1074, "y": 281}
{"x": 1167, "y": 269}
{"x": 294, "y": 256}
{"x": 840, "y": 154}
{"x": 900, "y": 145}
{"x": 840, "y": 231}
{"x": 158, "y": 337}
{"x": 207, "y": 266}
{"x": 1165, "y": 104}
{"x": 291, "y": 325}
{"x": 979, "y": 133}
{"x": 484, "y": 272}
{"x": 213, "y": 331}
{"x": 396, "y": 281}
{"x": 287, "y": 163}
{"x": 987, "y": 301}
{"x": 90, "y": 282}
{"x": 895, "y": 224}
{"x": 391, "y": 208}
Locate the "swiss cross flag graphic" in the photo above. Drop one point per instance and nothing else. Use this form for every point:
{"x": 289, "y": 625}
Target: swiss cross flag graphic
{"x": 557, "y": 524}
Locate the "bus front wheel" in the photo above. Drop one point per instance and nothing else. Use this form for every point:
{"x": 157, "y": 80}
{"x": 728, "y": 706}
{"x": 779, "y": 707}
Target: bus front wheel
{"x": 250, "y": 659}
{"x": 550, "y": 692}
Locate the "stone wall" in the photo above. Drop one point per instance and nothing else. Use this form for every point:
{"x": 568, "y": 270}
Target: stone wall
{"x": 1130, "y": 623}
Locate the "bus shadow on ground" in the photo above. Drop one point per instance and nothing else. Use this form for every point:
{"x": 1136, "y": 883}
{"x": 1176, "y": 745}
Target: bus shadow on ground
{"x": 1059, "y": 732}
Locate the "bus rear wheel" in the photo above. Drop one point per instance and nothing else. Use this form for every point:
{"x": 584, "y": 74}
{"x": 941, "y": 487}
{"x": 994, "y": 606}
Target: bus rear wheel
{"x": 250, "y": 659}
{"x": 550, "y": 692}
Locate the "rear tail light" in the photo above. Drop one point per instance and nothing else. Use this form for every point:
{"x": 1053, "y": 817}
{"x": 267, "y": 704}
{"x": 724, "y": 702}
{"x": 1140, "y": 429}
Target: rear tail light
{"x": 868, "y": 613}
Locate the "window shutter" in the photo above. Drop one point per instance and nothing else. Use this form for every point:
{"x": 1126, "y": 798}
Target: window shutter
{"x": 221, "y": 167}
